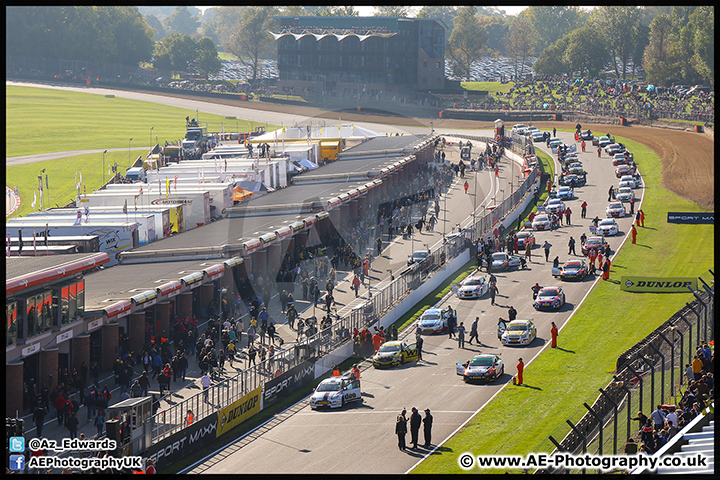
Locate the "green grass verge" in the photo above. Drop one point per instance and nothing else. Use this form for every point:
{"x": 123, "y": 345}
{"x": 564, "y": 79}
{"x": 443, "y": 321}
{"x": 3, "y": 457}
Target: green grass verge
{"x": 520, "y": 419}
{"x": 61, "y": 177}
{"x": 41, "y": 120}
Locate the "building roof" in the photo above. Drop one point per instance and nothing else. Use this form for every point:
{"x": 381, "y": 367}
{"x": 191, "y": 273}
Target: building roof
{"x": 18, "y": 266}
{"x": 105, "y": 287}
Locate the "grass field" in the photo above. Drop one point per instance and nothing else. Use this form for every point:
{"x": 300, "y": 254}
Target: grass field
{"x": 491, "y": 87}
{"x": 40, "y": 120}
{"x": 519, "y": 419}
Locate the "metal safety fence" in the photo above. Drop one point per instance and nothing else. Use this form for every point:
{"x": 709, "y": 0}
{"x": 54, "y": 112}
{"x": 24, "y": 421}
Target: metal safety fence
{"x": 316, "y": 342}
{"x": 651, "y": 373}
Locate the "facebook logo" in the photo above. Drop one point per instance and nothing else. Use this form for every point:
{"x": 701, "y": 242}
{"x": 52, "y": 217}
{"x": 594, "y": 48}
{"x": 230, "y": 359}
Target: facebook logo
{"x": 17, "y": 462}
{"x": 17, "y": 444}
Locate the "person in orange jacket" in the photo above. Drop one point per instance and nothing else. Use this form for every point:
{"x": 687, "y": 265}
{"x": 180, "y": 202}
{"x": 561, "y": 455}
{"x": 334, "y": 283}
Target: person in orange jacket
{"x": 377, "y": 340}
{"x": 554, "y": 334}
{"x": 633, "y": 233}
{"x": 520, "y": 368}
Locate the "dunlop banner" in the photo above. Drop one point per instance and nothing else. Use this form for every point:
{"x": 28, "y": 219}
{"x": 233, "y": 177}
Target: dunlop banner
{"x": 239, "y": 411}
{"x": 658, "y": 284}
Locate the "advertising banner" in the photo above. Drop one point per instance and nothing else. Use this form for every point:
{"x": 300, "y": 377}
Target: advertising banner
{"x": 657, "y": 284}
{"x": 691, "y": 217}
{"x": 239, "y": 411}
{"x": 181, "y": 444}
{"x": 282, "y": 385}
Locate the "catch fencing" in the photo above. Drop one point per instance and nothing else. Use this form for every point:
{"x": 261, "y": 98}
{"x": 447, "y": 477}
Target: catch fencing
{"x": 316, "y": 342}
{"x": 651, "y": 373}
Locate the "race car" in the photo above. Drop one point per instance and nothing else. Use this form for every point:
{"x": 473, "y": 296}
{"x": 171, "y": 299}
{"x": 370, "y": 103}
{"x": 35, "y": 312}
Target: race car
{"x": 537, "y": 136}
{"x": 629, "y": 181}
{"x": 623, "y": 170}
{"x": 394, "y": 354}
{"x": 524, "y": 237}
{"x": 481, "y": 368}
{"x": 593, "y": 243}
{"x": 519, "y": 332}
{"x": 519, "y": 128}
{"x": 573, "y": 270}
{"x": 607, "y": 227}
{"x": 555, "y": 205}
{"x": 614, "y": 148}
{"x": 587, "y": 135}
{"x": 572, "y": 180}
{"x": 624, "y": 194}
{"x": 433, "y": 320}
{"x": 550, "y": 297}
{"x": 334, "y": 392}
{"x": 604, "y": 141}
{"x": 620, "y": 159}
{"x": 615, "y": 210}
{"x": 576, "y": 168}
{"x": 541, "y": 222}
{"x": 565, "y": 193}
{"x": 503, "y": 261}
{"x": 473, "y": 287}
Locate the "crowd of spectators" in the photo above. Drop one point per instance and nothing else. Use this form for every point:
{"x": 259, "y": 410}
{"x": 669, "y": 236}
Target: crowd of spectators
{"x": 656, "y": 429}
{"x": 611, "y": 98}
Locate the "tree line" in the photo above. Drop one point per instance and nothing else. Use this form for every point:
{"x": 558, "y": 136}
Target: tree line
{"x": 672, "y": 44}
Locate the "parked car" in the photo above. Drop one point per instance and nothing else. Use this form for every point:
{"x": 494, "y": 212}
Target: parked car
{"x": 524, "y": 238}
{"x": 620, "y": 159}
{"x": 541, "y": 222}
{"x": 473, "y": 287}
{"x": 615, "y": 210}
{"x": 550, "y": 297}
{"x": 587, "y": 135}
{"x": 537, "y": 136}
{"x": 519, "y": 128}
{"x": 572, "y": 179}
{"x": 594, "y": 243}
{"x": 624, "y": 194}
{"x": 484, "y": 367}
{"x": 519, "y": 332}
{"x": 606, "y": 227}
{"x": 623, "y": 170}
{"x": 573, "y": 270}
{"x": 628, "y": 181}
{"x": 555, "y": 205}
{"x": 503, "y": 261}
{"x": 565, "y": 193}
{"x": 418, "y": 256}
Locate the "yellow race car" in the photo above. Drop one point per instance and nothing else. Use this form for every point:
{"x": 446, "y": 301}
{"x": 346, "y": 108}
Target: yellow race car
{"x": 395, "y": 353}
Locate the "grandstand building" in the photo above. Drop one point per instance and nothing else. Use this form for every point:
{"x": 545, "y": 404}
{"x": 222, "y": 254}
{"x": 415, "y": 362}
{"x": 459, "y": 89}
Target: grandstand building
{"x": 359, "y": 55}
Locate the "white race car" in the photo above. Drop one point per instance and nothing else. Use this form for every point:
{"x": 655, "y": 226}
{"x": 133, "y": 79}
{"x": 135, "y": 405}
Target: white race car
{"x": 615, "y": 209}
{"x": 555, "y": 205}
{"x": 624, "y": 194}
{"x": 607, "y": 227}
{"x": 628, "y": 181}
{"x": 541, "y": 222}
{"x": 473, "y": 287}
{"x": 334, "y": 392}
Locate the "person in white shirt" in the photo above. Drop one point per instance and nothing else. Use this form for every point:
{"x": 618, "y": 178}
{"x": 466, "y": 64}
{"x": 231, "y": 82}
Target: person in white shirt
{"x": 671, "y": 418}
{"x": 205, "y": 382}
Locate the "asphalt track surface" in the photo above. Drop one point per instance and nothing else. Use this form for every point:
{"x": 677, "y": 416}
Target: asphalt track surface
{"x": 362, "y": 435}
{"x": 360, "y": 438}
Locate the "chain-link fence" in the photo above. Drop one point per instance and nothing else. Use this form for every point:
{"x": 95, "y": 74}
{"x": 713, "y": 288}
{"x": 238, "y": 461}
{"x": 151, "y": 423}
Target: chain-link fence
{"x": 651, "y": 373}
{"x": 316, "y": 342}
